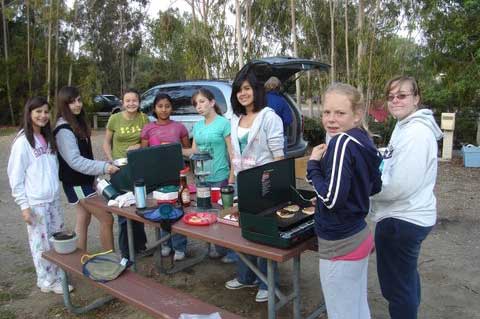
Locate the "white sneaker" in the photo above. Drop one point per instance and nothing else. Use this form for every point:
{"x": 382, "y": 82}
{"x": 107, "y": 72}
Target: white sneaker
{"x": 262, "y": 295}
{"x": 235, "y": 284}
{"x": 179, "y": 255}
{"x": 56, "y": 288}
{"x": 166, "y": 251}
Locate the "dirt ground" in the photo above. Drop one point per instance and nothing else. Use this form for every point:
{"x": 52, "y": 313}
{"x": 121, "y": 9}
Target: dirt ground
{"x": 449, "y": 262}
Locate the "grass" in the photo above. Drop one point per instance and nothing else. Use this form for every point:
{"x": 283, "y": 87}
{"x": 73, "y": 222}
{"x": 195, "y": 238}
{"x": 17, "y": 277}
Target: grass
{"x": 7, "y": 314}
{"x": 7, "y": 130}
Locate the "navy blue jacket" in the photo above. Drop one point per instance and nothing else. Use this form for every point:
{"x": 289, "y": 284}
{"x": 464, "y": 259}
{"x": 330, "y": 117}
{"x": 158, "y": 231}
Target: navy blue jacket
{"x": 344, "y": 179}
{"x": 279, "y": 104}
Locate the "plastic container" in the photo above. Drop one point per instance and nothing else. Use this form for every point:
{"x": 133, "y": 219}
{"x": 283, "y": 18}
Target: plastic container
{"x": 471, "y": 155}
{"x": 64, "y": 242}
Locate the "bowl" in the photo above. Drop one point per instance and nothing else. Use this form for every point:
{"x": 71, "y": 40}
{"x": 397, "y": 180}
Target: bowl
{"x": 64, "y": 242}
{"x": 120, "y": 161}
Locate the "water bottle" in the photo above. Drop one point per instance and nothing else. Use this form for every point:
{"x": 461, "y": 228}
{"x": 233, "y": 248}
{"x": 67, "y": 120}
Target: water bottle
{"x": 140, "y": 194}
{"x": 106, "y": 189}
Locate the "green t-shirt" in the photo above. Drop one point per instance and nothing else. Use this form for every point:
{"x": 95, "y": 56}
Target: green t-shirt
{"x": 211, "y": 138}
{"x": 125, "y": 132}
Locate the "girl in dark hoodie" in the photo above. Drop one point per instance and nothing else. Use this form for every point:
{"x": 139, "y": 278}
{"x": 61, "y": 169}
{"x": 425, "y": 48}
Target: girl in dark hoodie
{"x": 344, "y": 174}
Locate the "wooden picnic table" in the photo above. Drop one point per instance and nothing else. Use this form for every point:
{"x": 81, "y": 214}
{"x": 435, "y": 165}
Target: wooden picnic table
{"x": 230, "y": 237}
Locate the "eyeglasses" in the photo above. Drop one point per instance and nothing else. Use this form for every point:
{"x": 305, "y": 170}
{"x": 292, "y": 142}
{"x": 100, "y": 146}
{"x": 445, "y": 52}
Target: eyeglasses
{"x": 401, "y": 96}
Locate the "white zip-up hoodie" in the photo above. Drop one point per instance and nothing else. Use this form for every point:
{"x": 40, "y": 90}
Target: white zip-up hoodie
{"x": 265, "y": 140}
{"x": 410, "y": 171}
{"x": 32, "y": 173}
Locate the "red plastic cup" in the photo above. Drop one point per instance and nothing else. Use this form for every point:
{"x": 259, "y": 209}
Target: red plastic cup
{"x": 215, "y": 194}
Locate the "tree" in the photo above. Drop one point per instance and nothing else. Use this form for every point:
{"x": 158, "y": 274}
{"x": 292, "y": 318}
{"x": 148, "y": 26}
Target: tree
{"x": 7, "y": 71}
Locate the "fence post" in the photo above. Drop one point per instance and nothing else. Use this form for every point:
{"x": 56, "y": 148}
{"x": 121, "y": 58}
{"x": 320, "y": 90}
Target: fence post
{"x": 95, "y": 121}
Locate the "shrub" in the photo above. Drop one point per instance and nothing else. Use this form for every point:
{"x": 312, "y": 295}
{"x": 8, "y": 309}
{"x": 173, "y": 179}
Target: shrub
{"x": 313, "y": 131}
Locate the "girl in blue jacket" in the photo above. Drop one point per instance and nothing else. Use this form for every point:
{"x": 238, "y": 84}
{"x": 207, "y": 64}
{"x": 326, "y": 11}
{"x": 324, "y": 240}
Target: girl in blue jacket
{"x": 344, "y": 174}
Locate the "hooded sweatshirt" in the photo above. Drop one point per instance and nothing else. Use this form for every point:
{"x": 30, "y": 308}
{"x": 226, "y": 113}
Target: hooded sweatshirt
{"x": 32, "y": 173}
{"x": 265, "y": 141}
{"x": 344, "y": 179}
{"x": 410, "y": 171}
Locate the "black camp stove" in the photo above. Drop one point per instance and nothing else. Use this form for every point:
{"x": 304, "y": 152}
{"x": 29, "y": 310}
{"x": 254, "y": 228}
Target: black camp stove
{"x": 264, "y": 190}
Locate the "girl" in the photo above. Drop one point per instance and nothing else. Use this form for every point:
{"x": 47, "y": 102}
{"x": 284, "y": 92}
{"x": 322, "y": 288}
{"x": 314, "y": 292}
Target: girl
{"x": 122, "y": 135}
{"x": 344, "y": 175}
{"x": 212, "y": 134}
{"x": 165, "y": 131}
{"x": 77, "y": 167}
{"x": 405, "y": 210}
{"x": 257, "y": 139}
{"x": 33, "y": 176}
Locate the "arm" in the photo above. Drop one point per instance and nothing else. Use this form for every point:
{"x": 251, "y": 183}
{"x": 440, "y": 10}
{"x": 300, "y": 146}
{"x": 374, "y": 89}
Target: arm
{"x": 16, "y": 170}
{"x": 107, "y": 144}
{"x": 68, "y": 149}
{"x": 144, "y": 143}
{"x": 185, "y": 142}
{"x": 333, "y": 186}
{"x": 403, "y": 174}
{"x": 231, "y": 175}
{"x": 189, "y": 151}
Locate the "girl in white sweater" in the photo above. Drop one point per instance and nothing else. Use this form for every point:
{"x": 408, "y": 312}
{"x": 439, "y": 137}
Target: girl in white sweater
{"x": 33, "y": 176}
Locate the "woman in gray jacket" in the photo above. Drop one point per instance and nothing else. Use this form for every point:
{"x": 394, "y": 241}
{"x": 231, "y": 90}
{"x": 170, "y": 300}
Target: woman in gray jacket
{"x": 257, "y": 139}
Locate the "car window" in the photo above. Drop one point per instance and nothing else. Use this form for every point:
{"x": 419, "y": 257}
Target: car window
{"x": 182, "y": 98}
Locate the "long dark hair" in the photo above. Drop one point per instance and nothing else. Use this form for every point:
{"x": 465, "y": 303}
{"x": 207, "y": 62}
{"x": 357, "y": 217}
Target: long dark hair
{"x": 259, "y": 100}
{"x": 209, "y": 95}
{"x": 79, "y": 122}
{"x": 46, "y": 131}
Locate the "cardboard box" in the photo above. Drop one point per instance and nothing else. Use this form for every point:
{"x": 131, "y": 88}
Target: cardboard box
{"x": 301, "y": 167}
{"x": 229, "y": 211}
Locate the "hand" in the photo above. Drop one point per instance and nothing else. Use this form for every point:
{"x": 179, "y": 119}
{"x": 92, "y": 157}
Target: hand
{"x": 318, "y": 152}
{"x": 133, "y": 147}
{"x": 27, "y": 216}
{"x": 112, "y": 169}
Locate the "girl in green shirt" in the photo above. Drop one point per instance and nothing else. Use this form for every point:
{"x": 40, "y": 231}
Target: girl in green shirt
{"x": 122, "y": 135}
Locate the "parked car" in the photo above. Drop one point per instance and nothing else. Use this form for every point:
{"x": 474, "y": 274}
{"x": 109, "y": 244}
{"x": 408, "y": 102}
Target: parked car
{"x": 107, "y": 103}
{"x": 281, "y": 67}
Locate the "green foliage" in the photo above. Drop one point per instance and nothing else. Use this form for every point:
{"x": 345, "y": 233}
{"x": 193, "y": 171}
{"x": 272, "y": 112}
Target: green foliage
{"x": 313, "y": 131}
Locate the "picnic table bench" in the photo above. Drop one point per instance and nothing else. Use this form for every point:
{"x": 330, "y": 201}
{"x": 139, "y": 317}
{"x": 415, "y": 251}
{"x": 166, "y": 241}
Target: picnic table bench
{"x": 158, "y": 300}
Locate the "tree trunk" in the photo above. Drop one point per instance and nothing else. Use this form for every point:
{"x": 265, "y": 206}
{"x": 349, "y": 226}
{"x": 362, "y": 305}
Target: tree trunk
{"x": 205, "y": 6}
{"x": 29, "y": 62}
{"x": 57, "y": 42}
{"x": 49, "y": 50}
{"x": 72, "y": 42}
{"x": 317, "y": 35}
{"x": 361, "y": 46}
{"x": 122, "y": 55}
{"x": 347, "y": 53}
{"x": 332, "y": 39}
{"x": 295, "y": 50}
{"x": 372, "y": 42}
{"x": 248, "y": 18}
{"x": 238, "y": 16}
{"x": 7, "y": 72}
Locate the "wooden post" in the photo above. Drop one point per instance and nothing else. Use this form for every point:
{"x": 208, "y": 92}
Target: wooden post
{"x": 95, "y": 121}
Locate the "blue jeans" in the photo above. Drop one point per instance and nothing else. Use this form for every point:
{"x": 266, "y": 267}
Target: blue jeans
{"x": 398, "y": 246}
{"x": 246, "y": 276}
{"x": 139, "y": 236}
{"x": 177, "y": 242}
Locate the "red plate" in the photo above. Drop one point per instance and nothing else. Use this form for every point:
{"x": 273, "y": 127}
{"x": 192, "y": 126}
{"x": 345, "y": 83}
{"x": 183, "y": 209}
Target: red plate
{"x": 199, "y": 219}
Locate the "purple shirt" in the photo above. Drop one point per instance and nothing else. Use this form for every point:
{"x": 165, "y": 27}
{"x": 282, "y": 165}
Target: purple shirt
{"x": 157, "y": 134}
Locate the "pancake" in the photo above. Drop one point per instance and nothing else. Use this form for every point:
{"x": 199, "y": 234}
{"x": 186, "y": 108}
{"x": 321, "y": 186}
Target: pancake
{"x": 292, "y": 208}
{"x": 285, "y": 214}
{"x": 309, "y": 210}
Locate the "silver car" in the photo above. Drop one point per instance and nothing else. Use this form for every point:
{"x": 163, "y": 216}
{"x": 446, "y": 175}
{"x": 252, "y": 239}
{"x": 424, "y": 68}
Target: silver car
{"x": 281, "y": 67}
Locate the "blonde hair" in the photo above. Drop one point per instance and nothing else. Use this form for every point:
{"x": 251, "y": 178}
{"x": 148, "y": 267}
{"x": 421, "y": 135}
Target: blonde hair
{"x": 355, "y": 98}
{"x": 273, "y": 84}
